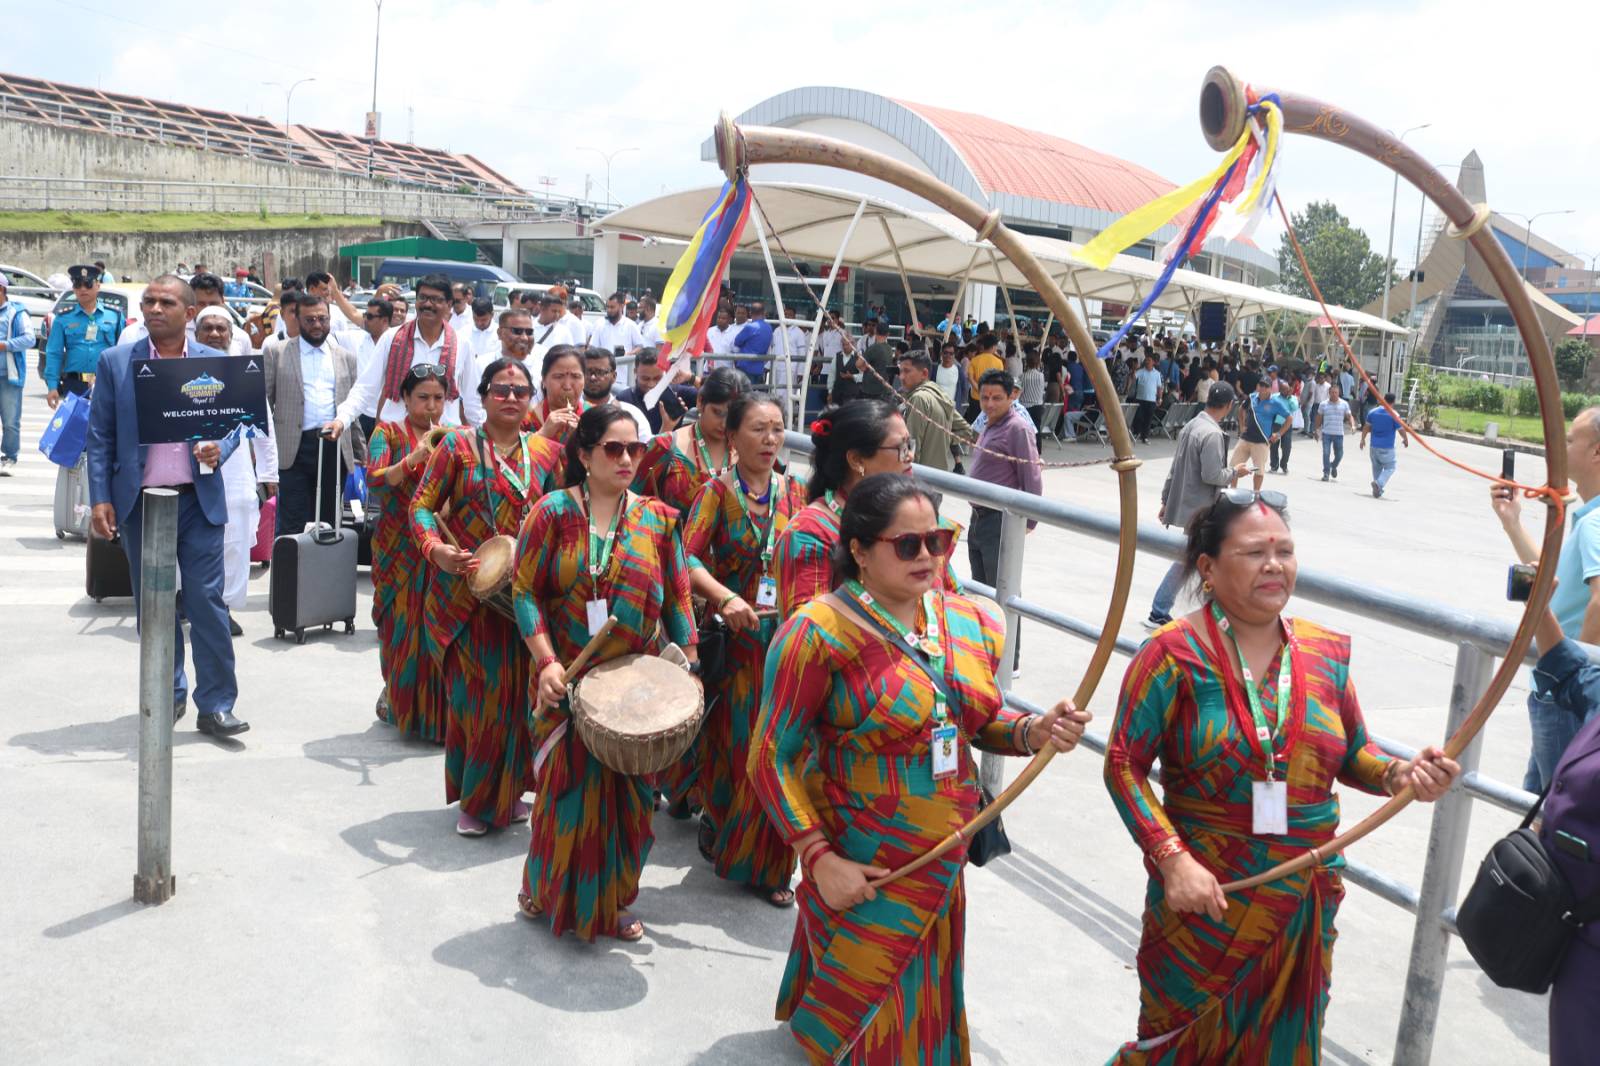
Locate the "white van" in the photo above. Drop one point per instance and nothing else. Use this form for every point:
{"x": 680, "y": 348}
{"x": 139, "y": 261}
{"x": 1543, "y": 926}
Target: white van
{"x": 594, "y": 305}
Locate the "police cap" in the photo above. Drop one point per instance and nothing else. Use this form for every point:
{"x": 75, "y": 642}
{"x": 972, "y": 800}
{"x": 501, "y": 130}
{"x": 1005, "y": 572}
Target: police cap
{"x": 83, "y": 274}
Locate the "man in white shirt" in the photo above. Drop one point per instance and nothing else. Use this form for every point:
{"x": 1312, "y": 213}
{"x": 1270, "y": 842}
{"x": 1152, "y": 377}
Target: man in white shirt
{"x": 618, "y": 331}
{"x": 599, "y": 375}
{"x": 427, "y": 338}
{"x": 342, "y": 314}
{"x": 786, "y": 376}
{"x": 552, "y": 327}
{"x": 460, "y": 307}
{"x": 513, "y": 340}
{"x": 649, "y": 324}
{"x": 719, "y": 338}
{"x": 481, "y": 336}
{"x": 578, "y": 327}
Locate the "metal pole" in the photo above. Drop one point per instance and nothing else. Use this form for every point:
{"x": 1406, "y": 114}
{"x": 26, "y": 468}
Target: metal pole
{"x": 777, "y": 299}
{"x": 1008, "y": 583}
{"x": 158, "y": 585}
{"x": 1441, "y": 873}
{"x": 377, "y": 26}
{"x": 822, "y": 310}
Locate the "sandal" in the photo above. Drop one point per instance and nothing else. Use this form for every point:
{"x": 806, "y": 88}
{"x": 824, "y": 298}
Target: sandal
{"x": 781, "y": 898}
{"x": 468, "y": 826}
{"x": 526, "y": 908}
{"x": 629, "y": 928}
{"x": 707, "y": 839}
{"x": 521, "y": 812}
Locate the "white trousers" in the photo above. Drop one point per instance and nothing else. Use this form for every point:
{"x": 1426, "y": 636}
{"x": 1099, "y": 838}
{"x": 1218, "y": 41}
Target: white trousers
{"x": 237, "y": 540}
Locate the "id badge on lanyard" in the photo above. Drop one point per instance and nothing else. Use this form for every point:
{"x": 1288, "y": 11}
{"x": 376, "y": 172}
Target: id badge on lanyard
{"x": 946, "y": 743}
{"x": 598, "y": 611}
{"x": 767, "y": 591}
{"x": 1269, "y": 807}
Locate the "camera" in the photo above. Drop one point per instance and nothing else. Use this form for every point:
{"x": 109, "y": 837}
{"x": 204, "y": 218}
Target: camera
{"x": 1519, "y": 582}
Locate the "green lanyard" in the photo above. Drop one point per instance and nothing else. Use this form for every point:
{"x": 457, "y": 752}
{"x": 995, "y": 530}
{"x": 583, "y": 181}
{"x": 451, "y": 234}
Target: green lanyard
{"x": 928, "y": 644}
{"x": 705, "y": 454}
{"x": 600, "y": 547}
{"x": 1265, "y": 736}
{"x": 774, "y": 484}
{"x": 833, "y": 505}
{"x": 521, "y": 485}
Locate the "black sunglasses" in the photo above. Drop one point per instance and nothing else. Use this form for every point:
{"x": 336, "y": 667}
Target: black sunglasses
{"x": 1245, "y": 497}
{"x": 614, "y": 449}
{"x": 502, "y": 390}
{"x": 520, "y": 331}
{"x": 908, "y": 546}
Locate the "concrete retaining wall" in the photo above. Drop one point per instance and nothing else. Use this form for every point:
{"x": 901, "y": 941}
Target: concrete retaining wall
{"x": 141, "y": 256}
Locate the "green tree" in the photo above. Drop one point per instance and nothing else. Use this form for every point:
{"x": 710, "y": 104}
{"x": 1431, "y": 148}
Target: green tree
{"x": 1572, "y": 359}
{"x": 1348, "y": 271}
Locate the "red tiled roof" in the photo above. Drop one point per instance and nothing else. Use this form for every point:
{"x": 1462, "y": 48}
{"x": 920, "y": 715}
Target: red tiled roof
{"x": 1021, "y": 162}
{"x": 1587, "y": 328}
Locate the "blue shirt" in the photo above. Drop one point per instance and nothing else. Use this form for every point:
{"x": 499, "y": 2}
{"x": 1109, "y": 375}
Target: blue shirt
{"x": 1383, "y": 426}
{"x": 16, "y": 337}
{"x": 1265, "y": 417}
{"x": 1078, "y": 378}
{"x": 1147, "y": 385}
{"x": 76, "y": 340}
{"x": 982, "y": 420}
{"x": 754, "y": 339}
{"x": 1579, "y": 561}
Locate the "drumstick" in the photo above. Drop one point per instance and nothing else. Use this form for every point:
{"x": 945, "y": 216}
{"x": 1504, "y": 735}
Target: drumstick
{"x": 583, "y": 656}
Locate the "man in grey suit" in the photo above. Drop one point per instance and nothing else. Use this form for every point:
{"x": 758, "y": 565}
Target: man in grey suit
{"x": 1199, "y": 471}
{"x": 308, "y": 376}
{"x": 120, "y": 468}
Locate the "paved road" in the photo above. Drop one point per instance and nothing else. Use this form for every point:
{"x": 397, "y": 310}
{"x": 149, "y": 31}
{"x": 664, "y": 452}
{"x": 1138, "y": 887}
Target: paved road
{"x": 325, "y": 908}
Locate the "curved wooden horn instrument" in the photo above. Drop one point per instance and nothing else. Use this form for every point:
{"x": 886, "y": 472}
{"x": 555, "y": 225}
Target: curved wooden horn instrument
{"x": 740, "y": 147}
{"x": 435, "y": 435}
{"x": 1223, "y": 103}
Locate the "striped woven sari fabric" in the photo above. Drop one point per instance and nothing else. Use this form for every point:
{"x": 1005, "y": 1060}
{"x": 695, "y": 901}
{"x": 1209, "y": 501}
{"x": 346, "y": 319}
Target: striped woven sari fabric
{"x": 804, "y": 561}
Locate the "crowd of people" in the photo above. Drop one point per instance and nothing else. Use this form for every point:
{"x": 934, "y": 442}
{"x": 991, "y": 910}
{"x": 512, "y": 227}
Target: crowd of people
{"x": 847, "y": 680}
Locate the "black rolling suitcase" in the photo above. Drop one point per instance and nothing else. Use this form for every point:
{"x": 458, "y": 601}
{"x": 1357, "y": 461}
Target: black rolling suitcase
{"x": 313, "y": 575}
{"x": 106, "y": 569}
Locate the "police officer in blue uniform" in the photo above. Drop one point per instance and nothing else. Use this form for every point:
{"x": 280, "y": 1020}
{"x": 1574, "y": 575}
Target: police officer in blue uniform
{"x": 78, "y": 336}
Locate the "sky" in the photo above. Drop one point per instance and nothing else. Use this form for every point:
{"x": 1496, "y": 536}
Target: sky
{"x": 540, "y": 91}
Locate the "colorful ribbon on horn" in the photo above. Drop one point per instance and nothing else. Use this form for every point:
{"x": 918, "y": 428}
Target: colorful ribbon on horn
{"x": 689, "y": 301}
{"x": 1233, "y": 199}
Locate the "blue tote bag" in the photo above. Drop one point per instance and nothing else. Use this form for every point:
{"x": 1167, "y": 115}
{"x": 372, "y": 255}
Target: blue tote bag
{"x": 67, "y": 434}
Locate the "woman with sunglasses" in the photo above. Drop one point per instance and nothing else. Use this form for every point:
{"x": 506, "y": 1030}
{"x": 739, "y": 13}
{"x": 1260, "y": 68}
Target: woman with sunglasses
{"x": 863, "y": 762}
{"x": 560, "y": 394}
{"x": 851, "y": 441}
{"x": 591, "y": 551}
{"x": 413, "y": 699}
{"x": 1253, "y": 716}
{"x": 730, "y": 535}
{"x": 487, "y": 478}
{"x": 677, "y": 464}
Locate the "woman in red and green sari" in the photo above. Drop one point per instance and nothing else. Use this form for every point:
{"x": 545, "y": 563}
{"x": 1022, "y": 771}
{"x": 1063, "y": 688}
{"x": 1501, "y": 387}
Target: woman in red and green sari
{"x": 413, "y": 699}
{"x": 851, "y": 441}
{"x": 1247, "y": 774}
{"x": 730, "y": 535}
{"x": 875, "y": 975}
{"x": 593, "y": 544}
{"x": 678, "y": 464}
{"x": 488, "y": 478}
{"x": 561, "y": 400}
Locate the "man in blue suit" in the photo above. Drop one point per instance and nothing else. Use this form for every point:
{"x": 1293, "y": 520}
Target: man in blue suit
{"x": 120, "y": 468}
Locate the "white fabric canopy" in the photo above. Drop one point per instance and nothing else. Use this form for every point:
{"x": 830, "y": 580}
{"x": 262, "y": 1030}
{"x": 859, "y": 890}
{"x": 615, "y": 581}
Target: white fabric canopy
{"x": 811, "y": 221}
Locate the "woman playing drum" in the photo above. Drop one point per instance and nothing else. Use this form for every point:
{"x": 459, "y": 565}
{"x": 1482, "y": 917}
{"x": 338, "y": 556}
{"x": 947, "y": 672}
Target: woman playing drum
{"x": 489, "y": 477}
{"x": 587, "y": 553}
{"x": 560, "y": 394}
{"x": 730, "y": 536}
{"x": 1253, "y": 716}
{"x": 414, "y": 698}
{"x": 864, "y": 762}
{"x": 677, "y": 464}
{"x": 852, "y": 441}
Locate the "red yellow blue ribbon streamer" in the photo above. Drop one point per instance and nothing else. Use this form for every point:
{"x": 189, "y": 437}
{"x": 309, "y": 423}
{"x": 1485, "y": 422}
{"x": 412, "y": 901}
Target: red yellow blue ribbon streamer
{"x": 689, "y": 301}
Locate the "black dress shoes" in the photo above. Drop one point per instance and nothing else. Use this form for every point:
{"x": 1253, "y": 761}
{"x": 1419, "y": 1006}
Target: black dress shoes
{"x": 221, "y": 725}
{"x": 234, "y": 627}
{"x": 180, "y": 710}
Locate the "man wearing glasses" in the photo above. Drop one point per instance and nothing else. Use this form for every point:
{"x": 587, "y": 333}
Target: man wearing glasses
{"x": 513, "y": 340}
{"x": 78, "y": 336}
{"x": 427, "y": 338}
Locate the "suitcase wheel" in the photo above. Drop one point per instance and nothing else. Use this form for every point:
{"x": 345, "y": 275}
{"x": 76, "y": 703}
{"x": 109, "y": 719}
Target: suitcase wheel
{"x": 300, "y": 636}
{"x": 349, "y": 625}
{"x": 277, "y": 634}
{"x": 99, "y": 599}
{"x": 60, "y": 535}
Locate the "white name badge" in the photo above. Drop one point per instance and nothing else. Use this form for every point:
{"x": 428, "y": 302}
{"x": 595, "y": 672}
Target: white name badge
{"x": 946, "y": 756}
{"x": 1269, "y": 808}
{"x": 767, "y": 592}
{"x": 599, "y": 611}
{"x": 91, "y": 332}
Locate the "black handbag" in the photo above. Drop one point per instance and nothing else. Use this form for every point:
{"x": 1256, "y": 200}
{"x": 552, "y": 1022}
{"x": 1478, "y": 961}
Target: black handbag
{"x": 991, "y": 841}
{"x": 1519, "y": 917}
{"x": 713, "y": 650}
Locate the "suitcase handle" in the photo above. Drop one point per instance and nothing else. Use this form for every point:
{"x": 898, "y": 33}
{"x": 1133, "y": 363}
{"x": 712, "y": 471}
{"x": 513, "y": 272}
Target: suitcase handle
{"x": 320, "y": 533}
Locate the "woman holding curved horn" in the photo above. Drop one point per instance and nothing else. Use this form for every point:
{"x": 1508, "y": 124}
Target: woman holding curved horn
{"x": 887, "y": 683}
{"x": 413, "y": 697}
{"x": 730, "y": 535}
{"x": 677, "y": 464}
{"x": 560, "y": 394}
{"x": 592, "y": 551}
{"x": 488, "y": 477}
{"x": 851, "y": 441}
{"x": 1253, "y": 716}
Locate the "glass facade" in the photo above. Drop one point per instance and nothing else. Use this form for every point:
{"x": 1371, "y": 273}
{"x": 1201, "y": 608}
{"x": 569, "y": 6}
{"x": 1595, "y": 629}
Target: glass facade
{"x": 1515, "y": 248}
{"x": 550, "y": 261}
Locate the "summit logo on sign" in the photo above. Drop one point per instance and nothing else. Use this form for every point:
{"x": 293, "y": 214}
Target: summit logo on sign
{"x": 203, "y": 389}
{"x": 145, "y": 371}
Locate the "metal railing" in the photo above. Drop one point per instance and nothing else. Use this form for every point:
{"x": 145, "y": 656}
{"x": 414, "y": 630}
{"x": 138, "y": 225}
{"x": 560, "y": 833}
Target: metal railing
{"x": 340, "y": 196}
{"x": 1478, "y": 642}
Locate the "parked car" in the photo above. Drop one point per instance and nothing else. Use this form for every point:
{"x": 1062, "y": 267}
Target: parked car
{"x": 36, "y": 295}
{"x": 594, "y": 305}
{"x": 407, "y": 272}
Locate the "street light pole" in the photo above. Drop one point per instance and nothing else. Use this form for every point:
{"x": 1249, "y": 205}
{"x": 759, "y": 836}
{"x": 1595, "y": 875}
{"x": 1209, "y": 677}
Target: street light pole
{"x": 377, "y": 26}
{"x": 288, "y": 96}
{"x": 608, "y": 157}
{"x": 1527, "y": 238}
{"x": 1386, "y": 371}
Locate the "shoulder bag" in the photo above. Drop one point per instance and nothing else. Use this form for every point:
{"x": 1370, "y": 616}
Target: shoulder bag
{"x": 1519, "y": 917}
